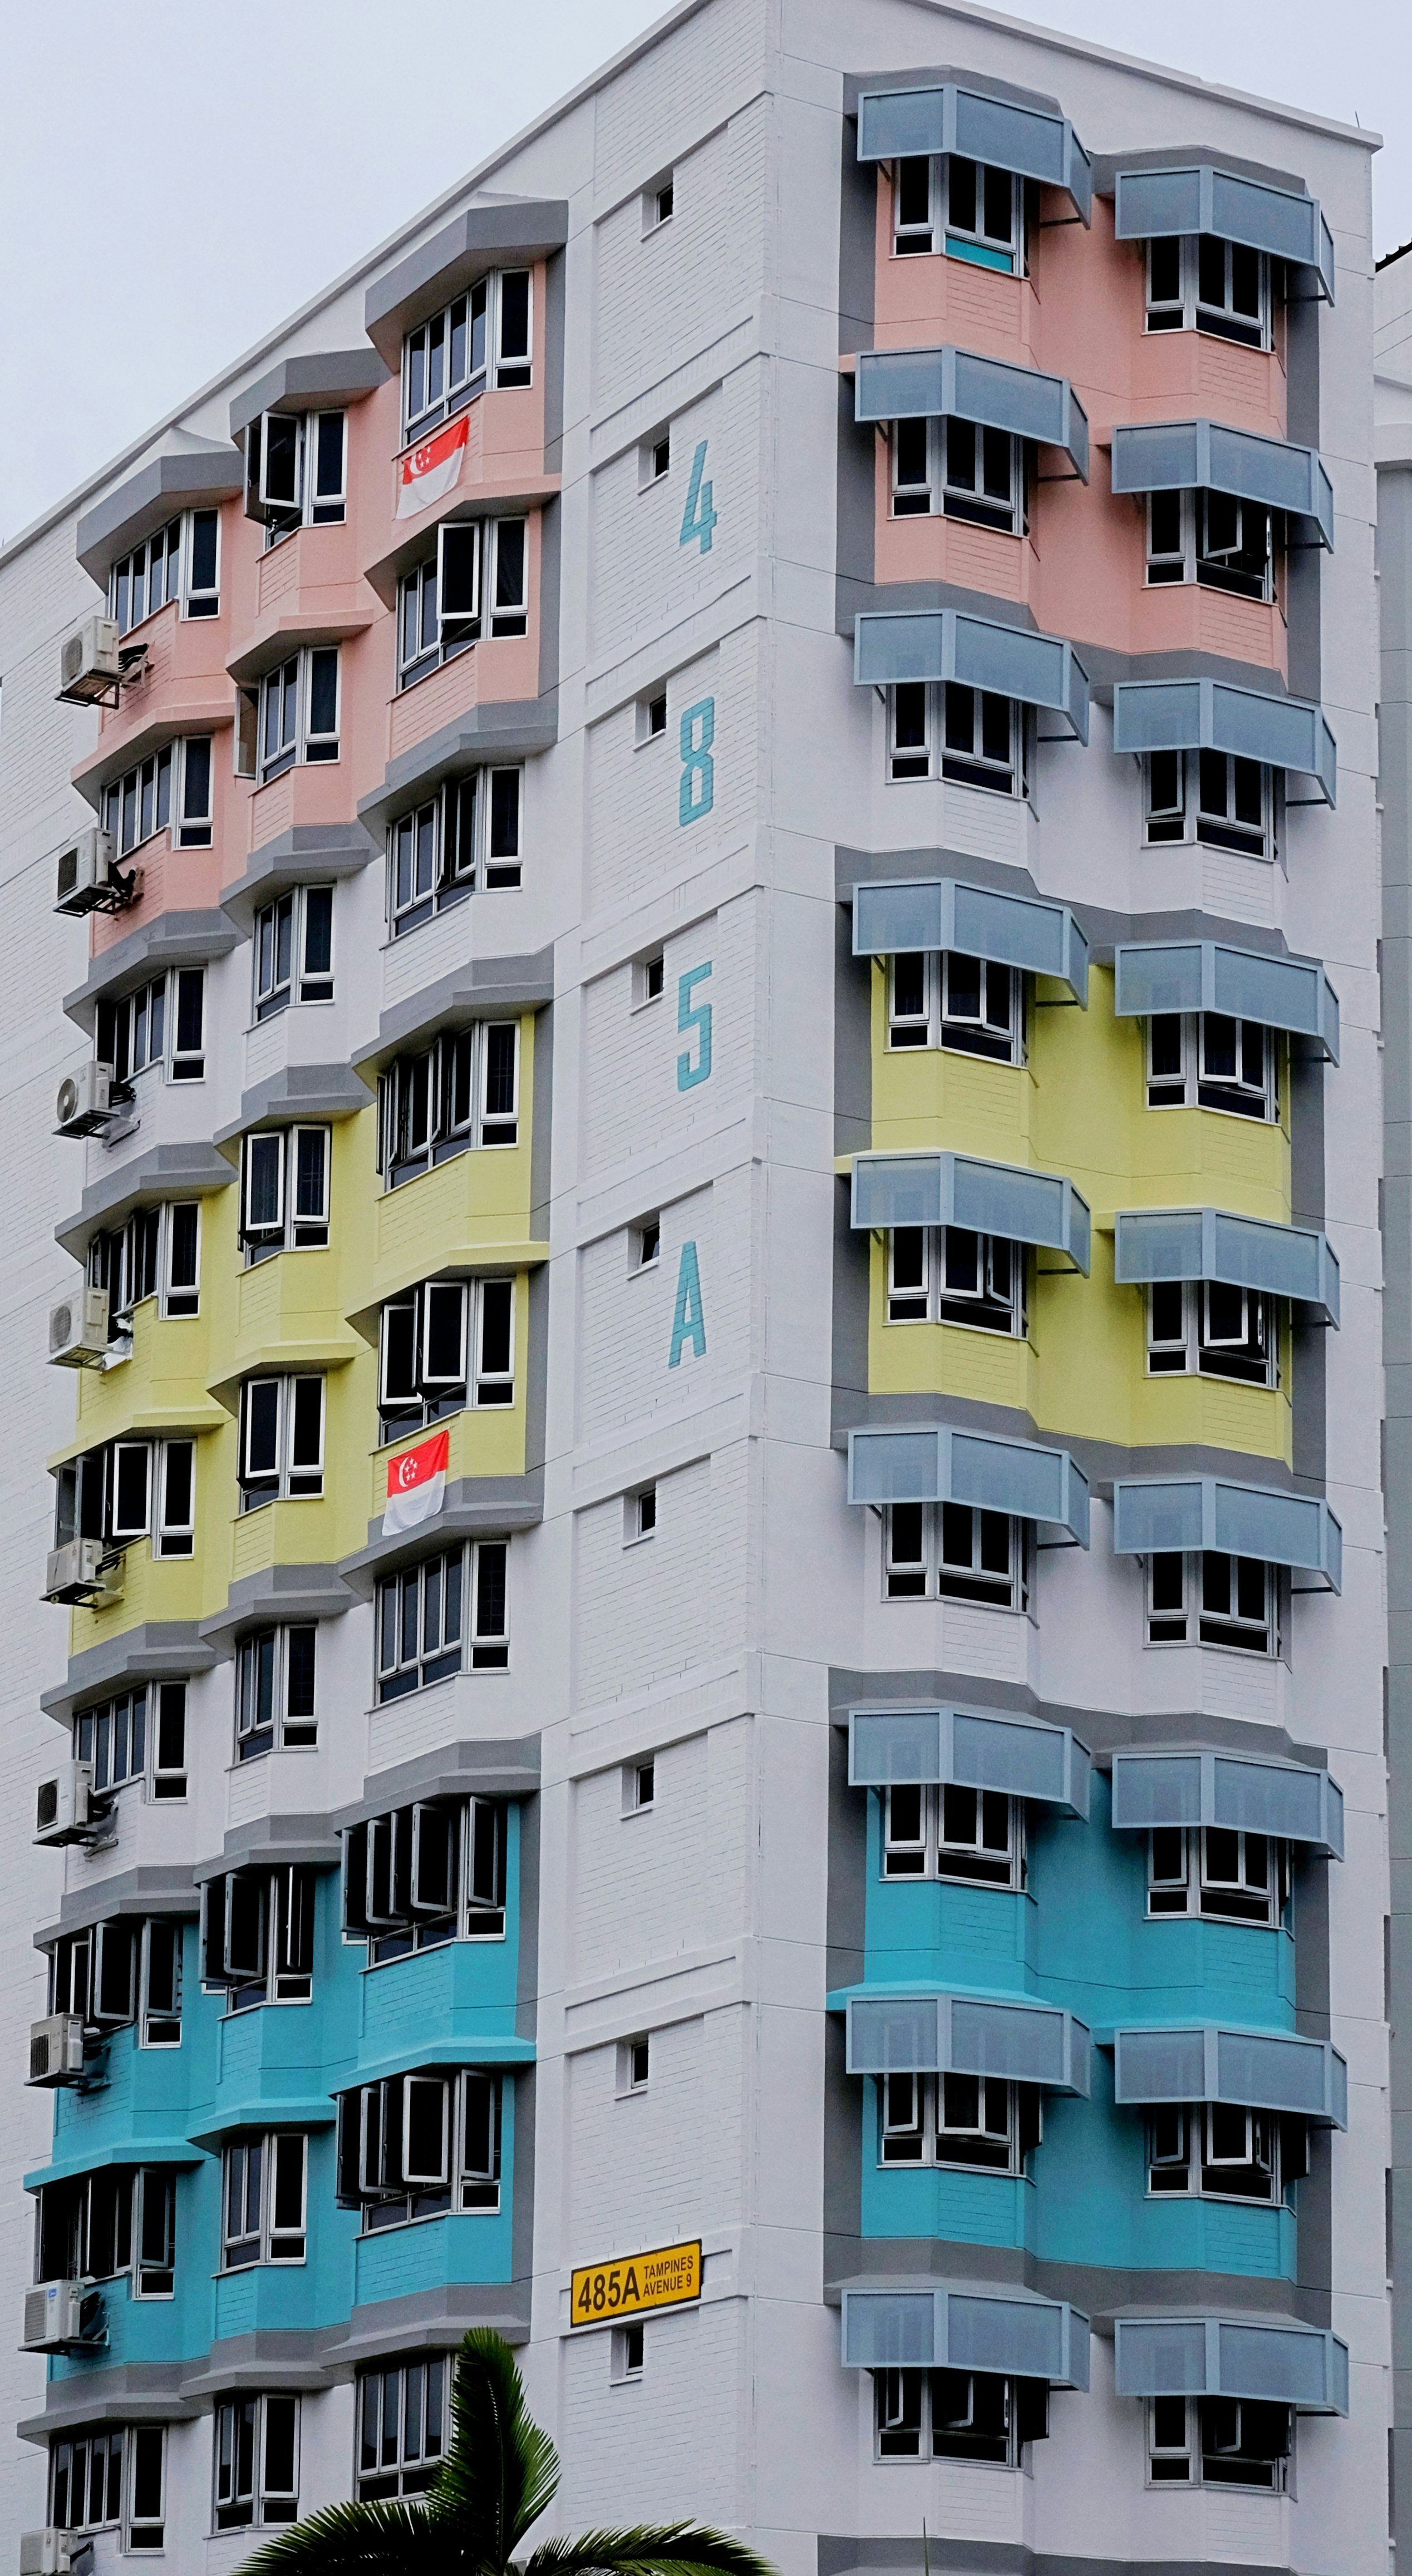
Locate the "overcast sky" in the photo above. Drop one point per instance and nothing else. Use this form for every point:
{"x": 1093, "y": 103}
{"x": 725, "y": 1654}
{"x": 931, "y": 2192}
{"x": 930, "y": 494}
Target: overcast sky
{"x": 177, "y": 177}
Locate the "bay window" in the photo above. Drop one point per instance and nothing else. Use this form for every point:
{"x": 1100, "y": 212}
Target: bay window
{"x": 293, "y": 950}
{"x": 161, "y": 1023}
{"x": 281, "y": 1440}
{"x": 424, "y": 1875}
{"x": 285, "y": 1191}
{"x": 473, "y": 586}
{"x": 178, "y": 562}
{"x": 420, "y": 2145}
{"x": 257, "y": 1935}
{"x": 1226, "y": 1874}
{"x": 447, "y": 1614}
{"x": 1213, "y": 797}
{"x": 299, "y": 706}
{"x": 1214, "y": 539}
{"x": 274, "y": 1690}
{"x": 969, "y": 209}
{"x": 467, "y": 835}
{"x": 1219, "y": 2441}
{"x": 952, "y": 1551}
{"x": 263, "y": 2193}
{"x": 960, "y": 470}
{"x": 256, "y": 2452}
{"x": 1213, "y": 1600}
{"x": 445, "y": 1345}
{"x": 943, "y": 729}
{"x": 102, "y": 2226}
{"x": 1206, "y": 1060}
{"x": 402, "y": 2427}
{"x": 957, "y": 2415}
{"x": 479, "y": 341}
{"x": 953, "y": 1832}
{"x": 1197, "y": 283}
{"x": 944, "y": 1274}
{"x": 462, "y": 1092}
{"x": 170, "y": 790}
{"x": 979, "y": 2121}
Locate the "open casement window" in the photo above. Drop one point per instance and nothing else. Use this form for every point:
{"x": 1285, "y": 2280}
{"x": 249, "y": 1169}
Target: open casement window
{"x": 296, "y": 470}
{"x": 944, "y": 729}
{"x": 424, "y": 1875}
{"x": 1213, "y": 797}
{"x": 1210, "y": 1328}
{"x": 264, "y": 2193}
{"x": 120, "y": 2220}
{"x": 274, "y": 1690}
{"x": 1213, "y": 1600}
{"x": 133, "y": 1489}
{"x": 463, "y": 1092}
{"x": 1226, "y": 1874}
{"x": 1197, "y": 283}
{"x": 419, "y": 2145}
{"x": 1222, "y": 2151}
{"x": 161, "y": 1023}
{"x": 446, "y": 1614}
{"x": 972, "y": 2120}
{"x": 1214, "y": 538}
{"x": 473, "y": 587}
{"x": 285, "y": 1191}
{"x": 1219, "y": 2441}
{"x": 467, "y": 836}
{"x": 479, "y": 342}
{"x": 952, "y": 1551}
{"x": 86, "y": 2481}
{"x": 402, "y": 2427}
{"x": 1206, "y": 1060}
{"x": 256, "y": 2453}
{"x": 281, "y": 1439}
{"x": 159, "y": 1983}
{"x": 293, "y": 950}
{"x": 445, "y": 1345}
{"x": 180, "y": 562}
{"x": 170, "y": 791}
{"x": 968, "y": 209}
{"x": 952, "y": 1831}
{"x": 944, "y": 1274}
{"x": 257, "y": 1936}
{"x": 937, "y": 998}
{"x": 115, "y": 1737}
{"x": 299, "y": 711}
{"x": 957, "y": 2415}
{"x": 960, "y": 470}
{"x": 154, "y": 2232}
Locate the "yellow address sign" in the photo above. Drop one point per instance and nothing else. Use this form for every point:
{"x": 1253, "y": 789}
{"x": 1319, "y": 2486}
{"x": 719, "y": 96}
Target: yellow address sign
{"x": 665, "y": 2278}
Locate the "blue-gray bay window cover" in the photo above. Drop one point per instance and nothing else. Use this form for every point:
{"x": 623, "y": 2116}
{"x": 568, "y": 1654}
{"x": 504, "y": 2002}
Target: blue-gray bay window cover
{"x": 973, "y": 1747}
{"x": 1151, "y": 205}
{"x": 1204, "y": 2356}
{"x": 1263, "y": 2070}
{"x": 1290, "y": 993}
{"x": 1204, "y": 1243}
{"x": 1155, "y": 1514}
{"x": 897, "y": 917}
{"x": 940, "y": 2325}
{"x": 951, "y": 117}
{"x": 954, "y": 384}
{"x": 944, "y": 644}
{"x": 1290, "y": 1800}
{"x": 1209, "y": 715}
{"x": 935, "y": 1464}
{"x": 986, "y": 1198}
{"x": 1204, "y": 456}
{"x": 940, "y": 2034}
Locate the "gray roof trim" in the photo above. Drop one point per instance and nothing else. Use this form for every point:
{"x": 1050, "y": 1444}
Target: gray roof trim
{"x": 309, "y": 854}
{"x": 276, "y": 1592}
{"x": 153, "y": 1887}
{"x": 1180, "y": 156}
{"x": 431, "y": 2321}
{"x": 475, "y": 1507}
{"x": 493, "y": 228}
{"x": 485, "y": 988}
{"x": 162, "y": 1650}
{"x": 320, "y": 376}
{"x": 499, "y": 1766}
{"x": 131, "y": 2392}
{"x": 500, "y": 729}
{"x": 298, "y": 1091}
{"x": 937, "y": 76}
{"x": 163, "y": 1172}
{"x": 173, "y": 939}
{"x": 151, "y": 496}
{"x": 304, "y": 1840}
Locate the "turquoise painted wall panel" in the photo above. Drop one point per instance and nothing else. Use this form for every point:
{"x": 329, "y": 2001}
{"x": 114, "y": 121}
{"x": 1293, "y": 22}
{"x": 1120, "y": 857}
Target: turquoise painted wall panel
{"x": 430, "y": 2253}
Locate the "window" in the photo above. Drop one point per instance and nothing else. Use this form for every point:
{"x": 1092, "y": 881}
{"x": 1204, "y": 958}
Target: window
{"x": 263, "y": 2200}
{"x": 293, "y": 950}
{"x": 160, "y": 1023}
{"x": 658, "y": 204}
{"x": 1207, "y": 1327}
{"x": 625, "y": 2355}
{"x": 1212, "y": 797}
{"x": 958, "y": 2415}
{"x": 975, "y": 2120}
{"x": 647, "y": 1243}
{"x": 274, "y": 1691}
{"x": 940, "y": 998}
{"x": 1219, "y": 2441}
{"x": 977, "y": 210}
{"x": 257, "y": 2461}
{"x": 151, "y": 576}
{"x": 962, "y": 471}
{"x": 634, "y": 2063}
{"x": 296, "y": 471}
{"x": 953, "y": 1832}
{"x": 1214, "y": 1601}
{"x": 657, "y": 459}
{"x": 418, "y": 2145}
{"x": 159, "y": 2019}
{"x": 113, "y": 1736}
{"x": 1204, "y": 1060}
{"x": 1201, "y": 284}
{"x": 181, "y": 1264}
{"x": 94, "y": 1973}
{"x": 86, "y": 2483}
{"x": 422, "y": 1618}
{"x": 473, "y": 586}
{"x": 170, "y": 790}
{"x": 948, "y": 1551}
{"x": 285, "y": 1191}
{"x": 129, "y": 1490}
{"x": 402, "y": 2421}
{"x": 1216, "y": 1870}
{"x": 942, "y": 1274}
{"x": 640, "y": 1786}
{"x": 299, "y": 711}
{"x": 157, "y": 1253}
{"x": 257, "y": 1936}
{"x": 424, "y": 1875}
{"x": 639, "y": 1515}
{"x": 478, "y": 342}
{"x": 461, "y": 1093}
{"x": 1213, "y": 539}
{"x": 101, "y": 2226}
{"x": 445, "y": 1345}
{"x": 1222, "y": 2151}
{"x": 467, "y": 836}
{"x": 281, "y": 1440}
{"x": 940, "y": 729}
{"x": 650, "y": 717}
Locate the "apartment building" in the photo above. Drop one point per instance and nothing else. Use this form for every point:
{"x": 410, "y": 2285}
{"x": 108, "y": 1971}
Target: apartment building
{"x": 715, "y": 1016}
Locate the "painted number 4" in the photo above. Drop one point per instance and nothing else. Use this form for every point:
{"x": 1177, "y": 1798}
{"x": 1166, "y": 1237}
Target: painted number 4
{"x": 699, "y": 516}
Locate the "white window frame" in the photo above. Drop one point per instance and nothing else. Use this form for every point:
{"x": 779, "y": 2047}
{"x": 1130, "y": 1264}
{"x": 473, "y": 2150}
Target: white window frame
{"x": 279, "y": 951}
{"x": 1184, "y": 2142}
{"x": 285, "y": 1729}
{"x": 1182, "y": 1866}
{"x": 446, "y": 1087}
{"x": 289, "y": 689}
{"x": 925, "y": 1255}
{"x": 148, "y": 1721}
{"x": 1173, "y": 786}
{"x": 175, "y": 544}
{"x": 180, "y": 1298}
{"x": 170, "y": 791}
{"x": 483, "y": 1304}
{"x": 925, "y": 713}
{"x": 438, "y": 635}
{"x": 499, "y": 370}
{"x": 1178, "y": 528}
{"x": 446, "y": 848}
{"x": 926, "y": 462}
{"x": 1006, "y": 254}
{"x": 930, "y": 993}
{"x": 927, "y": 1577}
{"x": 149, "y": 1020}
{"x": 904, "y": 2405}
{"x": 1184, "y": 1339}
{"x": 1175, "y": 304}
{"x": 289, "y": 1231}
{"x": 1179, "y": 1075}
{"x": 387, "y": 2192}
{"x": 292, "y": 1478}
{"x": 910, "y": 2109}
{"x": 483, "y": 1564}
{"x": 410, "y": 2472}
{"x": 283, "y": 2153}
{"x": 923, "y": 1835}
{"x": 1186, "y": 2455}
{"x": 270, "y": 1911}
{"x": 1181, "y": 1621}
{"x": 267, "y": 2507}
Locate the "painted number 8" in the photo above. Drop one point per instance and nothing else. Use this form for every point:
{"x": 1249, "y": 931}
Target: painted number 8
{"x": 698, "y": 773}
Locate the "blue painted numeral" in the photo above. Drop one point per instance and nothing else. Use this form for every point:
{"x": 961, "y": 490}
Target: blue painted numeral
{"x": 693, "y": 1016}
{"x": 698, "y": 772}
{"x": 699, "y": 516}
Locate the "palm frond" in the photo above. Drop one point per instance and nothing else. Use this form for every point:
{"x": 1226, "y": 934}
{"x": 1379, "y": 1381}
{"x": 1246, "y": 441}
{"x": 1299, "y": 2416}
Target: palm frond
{"x": 683, "y": 2548}
{"x": 501, "y": 2470}
{"x": 388, "y": 2538}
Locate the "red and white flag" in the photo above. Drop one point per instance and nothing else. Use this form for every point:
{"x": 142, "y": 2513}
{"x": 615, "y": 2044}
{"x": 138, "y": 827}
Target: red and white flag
{"x": 416, "y": 1484}
{"x": 427, "y": 473}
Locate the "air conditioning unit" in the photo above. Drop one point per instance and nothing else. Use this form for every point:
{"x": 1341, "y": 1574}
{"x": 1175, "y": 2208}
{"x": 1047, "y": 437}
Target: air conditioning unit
{"x": 66, "y": 1808}
{"x": 84, "y": 1103}
{"x": 55, "y": 2553}
{"x": 89, "y": 874}
{"x": 56, "y": 2049}
{"x": 82, "y": 1571}
{"x": 90, "y": 664}
{"x": 62, "y": 2314}
{"x": 78, "y": 1329}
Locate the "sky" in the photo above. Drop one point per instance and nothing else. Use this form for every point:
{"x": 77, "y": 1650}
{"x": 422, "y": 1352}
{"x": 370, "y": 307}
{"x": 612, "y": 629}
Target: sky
{"x": 177, "y": 178}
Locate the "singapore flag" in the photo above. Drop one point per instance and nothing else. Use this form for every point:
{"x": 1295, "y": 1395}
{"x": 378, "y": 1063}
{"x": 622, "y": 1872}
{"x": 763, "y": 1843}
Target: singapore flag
{"x": 416, "y": 1484}
{"x": 427, "y": 473}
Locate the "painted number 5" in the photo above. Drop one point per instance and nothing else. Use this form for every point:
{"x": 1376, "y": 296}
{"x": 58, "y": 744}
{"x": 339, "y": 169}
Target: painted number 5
{"x": 695, "y": 1016}
{"x": 699, "y": 516}
{"x": 698, "y": 769}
